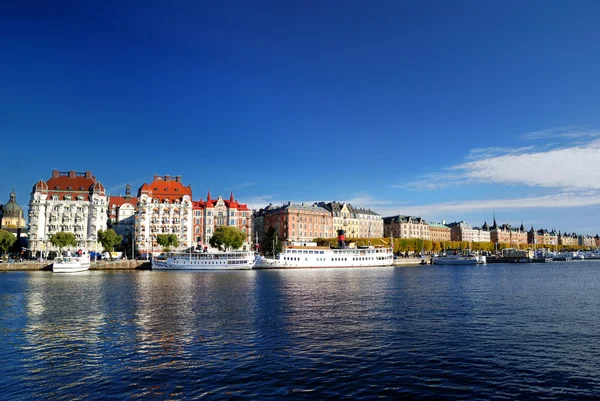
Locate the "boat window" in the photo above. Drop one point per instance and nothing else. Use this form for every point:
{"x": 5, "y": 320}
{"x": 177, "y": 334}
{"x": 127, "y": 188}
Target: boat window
{"x": 321, "y": 252}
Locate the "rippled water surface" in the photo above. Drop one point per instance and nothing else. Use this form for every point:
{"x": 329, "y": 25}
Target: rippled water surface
{"x": 459, "y": 332}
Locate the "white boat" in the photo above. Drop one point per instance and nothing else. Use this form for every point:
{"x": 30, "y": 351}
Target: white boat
{"x": 71, "y": 264}
{"x": 235, "y": 260}
{"x": 310, "y": 255}
{"x": 459, "y": 259}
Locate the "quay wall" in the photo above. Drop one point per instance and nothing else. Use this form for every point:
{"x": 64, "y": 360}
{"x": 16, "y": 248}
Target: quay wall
{"x": 33, "y": 265}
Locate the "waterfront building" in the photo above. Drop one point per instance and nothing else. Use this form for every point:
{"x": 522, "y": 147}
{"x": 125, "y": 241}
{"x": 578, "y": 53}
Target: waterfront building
{"x": 344, "y": 217}
{"x": 258, "y": 222}
{"x": 568, "y": 239}
{"x": 401, "y": 226}
{"x": 70, "y": 202}
{"x": 11, "y": 216}
{"x": 121, "y": 214}
{"x": 212, "y": 213}
{"x": 299, "y": 222}
{"x": 542, "y": 236}
{"x": 439, "y": 232}
{"x": 585, "y": 240}
{"x": 461, "y": 231}
{"x": 370, "y": 224}
{"x": 506, "y": 234}
{"x": 164, "y": 207}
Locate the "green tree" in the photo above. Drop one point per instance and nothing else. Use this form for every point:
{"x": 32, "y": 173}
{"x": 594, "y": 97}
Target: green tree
{"x": 167, "y": 241}
{"x": 7, "y": 239}
{"x": 270, "y": 245}
{"x": 62, "y": 240}
{"x": 227, "y": 237}
{"x": 109, "y": 239}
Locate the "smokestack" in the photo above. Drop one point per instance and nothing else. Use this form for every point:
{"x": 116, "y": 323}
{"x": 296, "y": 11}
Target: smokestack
{"x": 341, "y": 239}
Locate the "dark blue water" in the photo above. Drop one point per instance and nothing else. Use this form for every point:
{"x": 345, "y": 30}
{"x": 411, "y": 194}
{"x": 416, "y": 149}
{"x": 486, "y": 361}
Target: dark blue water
{"x": 460, "y": 332}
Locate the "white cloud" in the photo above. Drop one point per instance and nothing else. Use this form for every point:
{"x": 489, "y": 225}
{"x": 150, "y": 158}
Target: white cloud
{"x": 562, "y": 132}
{"x": 562, "y": 200}
{"x": 574, "y": 167}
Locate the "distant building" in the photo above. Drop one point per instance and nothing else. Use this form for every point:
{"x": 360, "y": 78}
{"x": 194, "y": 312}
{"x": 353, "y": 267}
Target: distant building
{"x": 586, "y": 240}
{"x": 505, "y": 234}
{"x": 164, "y": 207}
{"x": 121, "y": 214}
{"x": 401, "y": 226}
{"x": 299, "y": 222}
{"x": 542, "y": 237}
{"x": 212, "y": 213}
{"x": 70, "y": 202}
{"x": 370, "y": 224}
{"x": 11, "y": 216}
{"x": 258, "y": 222}
{"x": 568, "y": 239}
{"x": 344, "y": 218}
{"x": 439, "y": 232}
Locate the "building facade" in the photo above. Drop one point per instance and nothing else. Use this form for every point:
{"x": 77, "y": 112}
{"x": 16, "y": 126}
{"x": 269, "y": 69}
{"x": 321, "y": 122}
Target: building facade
{"x": 300, "y": 222}
{"x": 121, "y": 214}
{"x": 212, "y": 213}
{"x": 401, "y": 226}
{"x": 439, "y": 232}
{"x": 343, "y": 216}
{"x": 164, "y": 207}
{"x": 370, "y": 224}
{"x": 70, "y": 202}
{"x": 542, "y": 237}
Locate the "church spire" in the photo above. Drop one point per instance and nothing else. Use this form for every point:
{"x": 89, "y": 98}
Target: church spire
{"x": 231, "y": 197}
{"x": 208, "y": 196}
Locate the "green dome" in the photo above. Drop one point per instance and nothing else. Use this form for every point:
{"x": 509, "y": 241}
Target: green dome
{"x": 12, "y": 208}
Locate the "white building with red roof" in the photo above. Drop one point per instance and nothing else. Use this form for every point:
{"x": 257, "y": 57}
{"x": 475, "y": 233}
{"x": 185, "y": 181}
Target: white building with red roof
{"x": 68, "y": 201}
{"x": 163, "y": 207}
{"x": 212, "y": 213}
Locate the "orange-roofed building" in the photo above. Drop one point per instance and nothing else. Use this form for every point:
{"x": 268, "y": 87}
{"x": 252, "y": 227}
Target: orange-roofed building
{"x": 164, "y": 207}
{"x": 212, "y": 213}
{"x": 71, "y": 202}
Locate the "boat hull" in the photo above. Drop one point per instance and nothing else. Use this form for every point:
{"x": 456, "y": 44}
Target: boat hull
{"x": 439, "y": 261}
{"x": 213, "y": 261}
{"x": 310, "y": 258}
{"x": 70, "y": 267}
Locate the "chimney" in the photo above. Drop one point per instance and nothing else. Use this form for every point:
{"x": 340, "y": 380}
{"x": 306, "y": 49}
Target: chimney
{"x": 88, "y": 174}
{"x": 71, "y": 173}
{"x": 156, "y": 177}
{"x": 178, "y": 178}
{"x": 167, "y": 178}
{"x": 55, "y": 173}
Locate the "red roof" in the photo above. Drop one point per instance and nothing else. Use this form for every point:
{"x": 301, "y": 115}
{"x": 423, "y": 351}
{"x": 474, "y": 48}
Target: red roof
{"x": 70, "y": 182}
{"x": 121, "y": 200}
{"x": 163, "y": 187}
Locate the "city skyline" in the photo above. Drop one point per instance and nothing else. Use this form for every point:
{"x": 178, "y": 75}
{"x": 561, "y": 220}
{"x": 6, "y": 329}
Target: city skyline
{"x": 443, "y": 111}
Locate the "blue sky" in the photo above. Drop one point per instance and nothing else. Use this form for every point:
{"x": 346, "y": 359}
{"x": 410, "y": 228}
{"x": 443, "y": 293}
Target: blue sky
{"x": 447, "y": 110}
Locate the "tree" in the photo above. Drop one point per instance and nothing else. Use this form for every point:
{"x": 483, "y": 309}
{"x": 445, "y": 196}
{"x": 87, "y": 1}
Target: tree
{"x": 227, "y": 237}
{"x": 109, "y": 239}
{"x": 63, "y": 239}
{"x": 167, "y": 241}
{"x": 7, "y": 239}
{"x": 271, "y": 244}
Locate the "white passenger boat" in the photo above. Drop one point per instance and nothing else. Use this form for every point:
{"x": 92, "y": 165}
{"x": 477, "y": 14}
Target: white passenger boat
{"x": 235, "y": 260}
{"x": 310, "y": 255}
{"x": 71, "y": 264}
{"x": 459, "y": 259}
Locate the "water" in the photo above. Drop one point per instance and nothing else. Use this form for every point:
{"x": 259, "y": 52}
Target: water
{"x": 455, "y": 332}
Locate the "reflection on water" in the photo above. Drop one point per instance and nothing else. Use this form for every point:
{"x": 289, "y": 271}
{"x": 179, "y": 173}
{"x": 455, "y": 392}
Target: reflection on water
{"x": 455, "y": 332}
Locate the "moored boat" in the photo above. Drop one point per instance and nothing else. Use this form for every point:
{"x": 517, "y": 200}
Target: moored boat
{"x": 72, "y": 264}
{"x": 459, "y": 259}
{"x": 234, "y": 260}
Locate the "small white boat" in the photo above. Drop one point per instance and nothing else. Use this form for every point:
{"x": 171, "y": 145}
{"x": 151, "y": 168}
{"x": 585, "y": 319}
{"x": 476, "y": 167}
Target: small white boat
{"x": 235, "y": 260}
{"x": 459, "y": 259}
{"x": 71, "y": 264}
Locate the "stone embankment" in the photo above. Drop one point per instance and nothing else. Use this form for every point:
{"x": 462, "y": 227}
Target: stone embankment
{"x": 32, "y": 265}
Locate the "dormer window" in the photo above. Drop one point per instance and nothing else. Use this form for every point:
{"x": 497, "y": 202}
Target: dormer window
{"x": 69, "y": 188}
{"x": 81, "y": 188}
{"x": 57, "y": 187}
